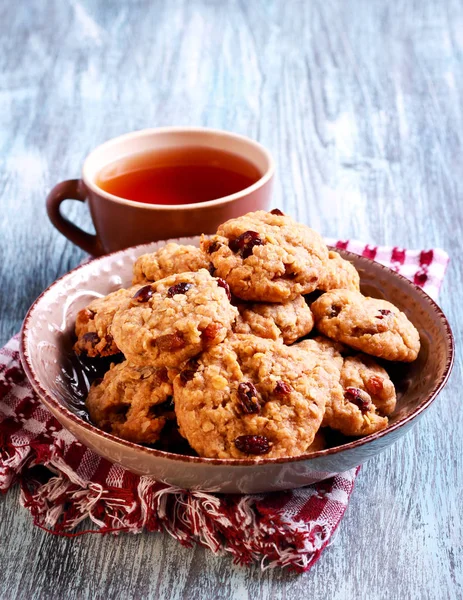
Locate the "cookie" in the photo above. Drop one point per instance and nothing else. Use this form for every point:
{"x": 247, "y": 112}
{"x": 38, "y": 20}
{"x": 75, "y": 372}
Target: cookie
{"x": 373, "y": 326}
{"x": 267, "y": 257}
{"x": 338, "y": 274}
{"x": 349, "y": 410}
{"x": 319, "y": 442}
{"x": 362, "y": 372}
{"x": 352, "y": 412}
{"x": 169, "y": 260}
{"x": 93, "y": 324}
{"x": 251, "y": 397}
{"x": 132, "y": 402}
{"x": 289, "y": 321}
{"x": 325, "y": 349}
{"x": 174, "y": 319}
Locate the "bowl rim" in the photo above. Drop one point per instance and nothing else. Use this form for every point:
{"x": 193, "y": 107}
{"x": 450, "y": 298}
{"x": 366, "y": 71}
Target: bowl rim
{"x": 47, "y": 398}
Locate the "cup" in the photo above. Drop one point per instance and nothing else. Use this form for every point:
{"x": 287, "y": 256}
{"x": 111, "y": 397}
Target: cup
{"x": 120, "y": 223}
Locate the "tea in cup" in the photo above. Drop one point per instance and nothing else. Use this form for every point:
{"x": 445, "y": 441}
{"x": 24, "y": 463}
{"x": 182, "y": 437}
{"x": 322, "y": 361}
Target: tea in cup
{"x": 164, "y": 183}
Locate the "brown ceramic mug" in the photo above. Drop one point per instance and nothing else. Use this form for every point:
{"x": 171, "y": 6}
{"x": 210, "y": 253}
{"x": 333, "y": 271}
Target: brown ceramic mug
{"x": 120, "y": 223}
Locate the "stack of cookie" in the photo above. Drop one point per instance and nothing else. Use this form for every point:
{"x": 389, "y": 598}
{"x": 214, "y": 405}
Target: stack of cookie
{"x": 252, "y": 344}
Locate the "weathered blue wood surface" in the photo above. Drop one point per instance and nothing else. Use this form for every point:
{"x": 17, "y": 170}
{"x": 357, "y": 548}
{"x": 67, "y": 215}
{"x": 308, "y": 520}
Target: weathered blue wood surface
{"x": 361, "y": 104}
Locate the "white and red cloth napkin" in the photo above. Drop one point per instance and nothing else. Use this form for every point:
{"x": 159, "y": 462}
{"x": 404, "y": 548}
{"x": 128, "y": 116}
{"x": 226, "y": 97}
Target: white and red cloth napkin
{"x": 70, "y": 490}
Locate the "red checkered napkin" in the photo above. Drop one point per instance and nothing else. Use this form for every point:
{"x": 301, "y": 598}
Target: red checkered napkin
{"x": 79, "y": 492}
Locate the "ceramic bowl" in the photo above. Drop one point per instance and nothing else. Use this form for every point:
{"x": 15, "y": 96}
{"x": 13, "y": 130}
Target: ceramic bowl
{"x": 46, "y": 343}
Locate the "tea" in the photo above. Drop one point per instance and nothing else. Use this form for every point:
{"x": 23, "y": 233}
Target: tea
{"x": 178, "y": 175}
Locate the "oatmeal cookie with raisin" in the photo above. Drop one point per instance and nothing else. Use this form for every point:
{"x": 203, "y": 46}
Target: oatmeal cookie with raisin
{"x": 169, "y": 260}
{"x": 352, "y": 412}
{"x": 373, "y": 326}
{"x": 93, "y": 324}
{"x": 132, "y": 402}
{"x": 349, "y": 409}
{"x": 267, "y": 257}
{"x": 289, "y": 321}
{"x": 363, "y": 372}
{"x": 251, "y": 397}
{"x": 174, "y": 319}
{"x": 338, "y": 274}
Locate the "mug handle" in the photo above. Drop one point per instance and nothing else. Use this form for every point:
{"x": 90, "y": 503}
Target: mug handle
{"x": 72, "y": 189}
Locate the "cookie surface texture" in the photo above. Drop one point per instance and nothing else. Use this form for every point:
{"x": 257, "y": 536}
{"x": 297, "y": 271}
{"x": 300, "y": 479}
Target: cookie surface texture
{"x": 267, "y": 257}
{"x": 373, "y": 326}
{"x": 251, "y": 398}
{"x": 289, "y": 321}
{"x": 171, "y": 259}
{"x": 93, "y": 324}
{"x": 362, "y": 372}
{"x": 349, "y": 410}
{"x": 174, "y": 319}
{"x": 339, "y": 274}
{"x": 132, "y": 402}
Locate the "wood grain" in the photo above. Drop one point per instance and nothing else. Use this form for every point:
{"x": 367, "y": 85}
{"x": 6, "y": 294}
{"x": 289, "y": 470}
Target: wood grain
{"x": 361, "y": 104}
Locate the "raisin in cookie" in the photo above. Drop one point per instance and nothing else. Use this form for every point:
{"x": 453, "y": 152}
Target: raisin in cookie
{"x": 173, "y": 319}
{"x": 338, "y": 274}
{"x": 169, "y": 260}
{"x": 373, "y": 326}
{"x": 363, "y": 373}
{"x": 352, "y": 412}
{"x": 289, "y": 321}
{"x": 349, "y": 410}
{"x": 251, "y": 397}
{"x": 93, "y": 324}
{"x": 267, "y": 257}
{"x": 132, "y": 402}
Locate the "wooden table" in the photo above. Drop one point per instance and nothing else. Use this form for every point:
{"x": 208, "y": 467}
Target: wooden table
{"x": 361, "y": 104}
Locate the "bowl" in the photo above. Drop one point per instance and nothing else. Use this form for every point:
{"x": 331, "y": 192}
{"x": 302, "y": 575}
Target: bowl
{"x": 61, "y": 383}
